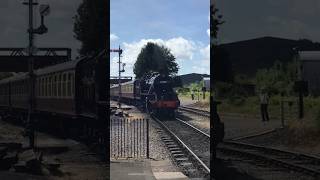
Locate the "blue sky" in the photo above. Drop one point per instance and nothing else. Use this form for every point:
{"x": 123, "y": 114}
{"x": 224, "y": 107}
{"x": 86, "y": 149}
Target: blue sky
{"x": 180, "y": 25}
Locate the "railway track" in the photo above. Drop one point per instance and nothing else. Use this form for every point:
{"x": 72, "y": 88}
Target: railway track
{"x": 293, "y": 161}
{"x": 195, "y": 111}
{"x": 193, "y": 141}
{"x": 306, "y": 164}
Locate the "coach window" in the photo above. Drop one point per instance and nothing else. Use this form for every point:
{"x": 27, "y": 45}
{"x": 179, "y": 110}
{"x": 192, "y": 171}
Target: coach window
{"x": 42, "y": 86}
{"x": 19, "y": 87}
{"x": 72, "y": 84}
{"x": 21, "y": 92}
{"x": 54, "y": 87}
{"x": 36, "y": 87}
{"x": 49, "y": 86}
{"x": 58, "y": 85}
{"x": 64, "y": 85}
{"x": 46, "y": 86}
{"x": 69, "y": 84}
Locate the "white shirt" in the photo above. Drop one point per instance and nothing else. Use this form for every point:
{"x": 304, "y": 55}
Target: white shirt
{"x": 264, "y": 98}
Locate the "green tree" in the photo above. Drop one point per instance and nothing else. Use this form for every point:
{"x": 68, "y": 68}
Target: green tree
{"x": 91, "y": 26}
{"x": 155, "y": 58}
{"x": 222, "y": 68}
{"x": 277, "y": 79}
{"x": 215, "y": 23}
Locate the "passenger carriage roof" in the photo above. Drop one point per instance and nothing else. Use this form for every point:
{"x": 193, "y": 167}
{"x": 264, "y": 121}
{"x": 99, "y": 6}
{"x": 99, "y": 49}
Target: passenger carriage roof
{"x": 16, "y": 77}
{"x": 116, "y": 85}
{"x": 55, "y": 68}
{"x": 59, "y": 67}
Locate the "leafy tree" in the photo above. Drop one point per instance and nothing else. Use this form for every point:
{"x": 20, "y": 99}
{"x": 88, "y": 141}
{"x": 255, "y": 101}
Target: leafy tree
{"x": 91, "y": 26}
{"x": 222, "y": 68}
{"x": 277, "y": 79}
{"x": 215, "y": 22}
{"x": 155, "y": 58}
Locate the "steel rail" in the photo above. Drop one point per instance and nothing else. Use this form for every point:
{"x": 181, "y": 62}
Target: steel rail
{"x": 195, "y": 128}
{"x": 183, "y": 144}
{"x": 195, "y": 111}
{"x": 258, "y": 148}
{"x": 262, "y": 153}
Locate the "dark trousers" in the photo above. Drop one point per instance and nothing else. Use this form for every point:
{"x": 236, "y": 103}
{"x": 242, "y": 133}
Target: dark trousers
{"x": 264, "y": 112}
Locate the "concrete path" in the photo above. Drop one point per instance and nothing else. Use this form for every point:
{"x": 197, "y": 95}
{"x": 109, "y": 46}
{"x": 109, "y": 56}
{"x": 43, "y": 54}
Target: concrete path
{"x": 142, "y": 170}
{"x": 236, "y": 127}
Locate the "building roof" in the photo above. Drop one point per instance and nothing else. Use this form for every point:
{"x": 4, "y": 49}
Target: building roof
{"x": 309, "y": 55}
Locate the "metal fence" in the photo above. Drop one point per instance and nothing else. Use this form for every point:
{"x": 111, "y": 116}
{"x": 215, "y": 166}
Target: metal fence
{"x": 129, "y": 138}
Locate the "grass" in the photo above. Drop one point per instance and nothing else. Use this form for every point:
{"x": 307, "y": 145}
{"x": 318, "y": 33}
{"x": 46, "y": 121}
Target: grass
{"x": 302, "y": 134}
{"x": 250, "y": 106}
{"x": 202, "y": 103}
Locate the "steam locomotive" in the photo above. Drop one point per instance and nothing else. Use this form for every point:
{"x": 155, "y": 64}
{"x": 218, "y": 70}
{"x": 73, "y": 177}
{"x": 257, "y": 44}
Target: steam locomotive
{"x": 154, "y": 93}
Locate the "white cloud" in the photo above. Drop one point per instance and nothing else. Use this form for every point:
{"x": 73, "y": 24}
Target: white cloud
{"x": 208, "y": 32}
{"x": 204, "y": 63}
{"x": 180, "y": 47}
{"x": 113, "y": 37}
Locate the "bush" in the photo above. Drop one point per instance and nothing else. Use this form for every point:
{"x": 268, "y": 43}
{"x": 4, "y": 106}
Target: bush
{"x": 317, "y": 120}
{"x": 236, "y": 100}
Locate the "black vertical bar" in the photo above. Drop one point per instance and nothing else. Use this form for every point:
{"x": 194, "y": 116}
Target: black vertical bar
{"x": 138, "y": 144}
{"x": 140, "y": 149}
{"x": 118, "y": 137}
{"x": 123, "y": 131}
{"x": 111, "y": 137}
{"x": 135, "y": 138}
{"x": 134, "y": 141}
{"x": 131, "y": 140}
{"x": 144, "y": 138}
{"x": 136, "y": 135}
{"x": 127, "y": 137}
{"x": 124, "y": 138}
{"x": 148, "y": 138}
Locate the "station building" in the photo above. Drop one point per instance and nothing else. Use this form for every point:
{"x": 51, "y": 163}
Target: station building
{"x": 310, "y": 70}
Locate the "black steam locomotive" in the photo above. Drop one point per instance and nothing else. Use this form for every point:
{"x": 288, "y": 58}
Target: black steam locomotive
{"x": 154, "y": 93}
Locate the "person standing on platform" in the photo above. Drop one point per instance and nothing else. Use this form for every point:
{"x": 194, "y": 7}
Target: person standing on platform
{"x": 264, "y": 101}
{"x": 192, "y": 94}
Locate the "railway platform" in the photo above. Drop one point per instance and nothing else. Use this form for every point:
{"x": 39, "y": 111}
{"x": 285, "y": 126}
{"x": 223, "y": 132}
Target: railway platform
{"x": 143, "y": 170}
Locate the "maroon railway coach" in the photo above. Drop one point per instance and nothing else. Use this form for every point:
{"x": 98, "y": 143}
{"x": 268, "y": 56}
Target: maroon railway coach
{"x": 70, "y": 92}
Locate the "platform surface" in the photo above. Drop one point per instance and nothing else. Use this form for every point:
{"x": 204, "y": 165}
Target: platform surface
{"x": 142, "y": 170}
